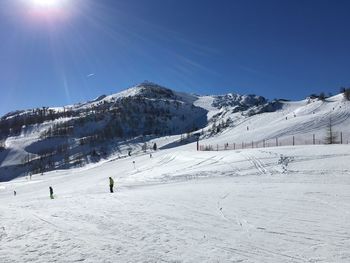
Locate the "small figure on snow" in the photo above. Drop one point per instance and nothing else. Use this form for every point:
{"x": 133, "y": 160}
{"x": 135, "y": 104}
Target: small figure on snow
{"x": 14, "y": 193}
{"x": 111, "y": 184}
{"x": 155, "y": 147}
{"x": 150, "y": 155}
{"x": 51, "y": 192}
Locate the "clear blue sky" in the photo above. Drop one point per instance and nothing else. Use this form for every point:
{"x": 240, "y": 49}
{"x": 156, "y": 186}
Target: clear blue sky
{"x": 79, "y": 49}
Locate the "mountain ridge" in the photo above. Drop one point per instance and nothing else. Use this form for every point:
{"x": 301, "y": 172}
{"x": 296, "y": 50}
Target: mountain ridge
{"x": 130, "y": 121}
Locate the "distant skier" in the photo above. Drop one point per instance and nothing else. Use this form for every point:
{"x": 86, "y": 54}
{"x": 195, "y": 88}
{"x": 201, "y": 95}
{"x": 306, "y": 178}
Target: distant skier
{"x": 51, "y": 192}
{"x": 14, "y": 193}
{"x": 155, "y": 147}
{"x": 111, "y": 184}
{"x": 150, "y": 155}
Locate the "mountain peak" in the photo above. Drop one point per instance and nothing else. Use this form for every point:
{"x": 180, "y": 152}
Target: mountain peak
{"x": 149, "y": 84}
{"x": 151, "y": 89}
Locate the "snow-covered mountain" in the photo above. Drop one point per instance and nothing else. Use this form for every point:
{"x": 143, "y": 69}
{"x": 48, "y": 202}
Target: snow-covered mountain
{"x": 39, "y": 140}
{"x": 177, "y": 204}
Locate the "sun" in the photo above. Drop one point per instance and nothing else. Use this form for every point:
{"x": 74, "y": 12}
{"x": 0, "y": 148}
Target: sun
{"x": 48, "y": 10}
{"x": 47, "y": 3}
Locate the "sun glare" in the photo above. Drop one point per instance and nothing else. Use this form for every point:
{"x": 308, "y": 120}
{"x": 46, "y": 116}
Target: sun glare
{"x": 48, "y": 9}
{"x": 46, "y": 3}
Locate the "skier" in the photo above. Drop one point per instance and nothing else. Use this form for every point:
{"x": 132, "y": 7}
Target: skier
{"x": 14, "y": 193}
{"x": 150, "y": 155}
{"x": 51, "y": 192}
{"x": 111, "y": 184}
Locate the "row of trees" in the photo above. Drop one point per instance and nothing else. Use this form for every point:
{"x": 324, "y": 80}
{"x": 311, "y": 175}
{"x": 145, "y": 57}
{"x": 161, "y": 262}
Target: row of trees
{"x": 13, "y": 124}
{"x": 322, "y": 96}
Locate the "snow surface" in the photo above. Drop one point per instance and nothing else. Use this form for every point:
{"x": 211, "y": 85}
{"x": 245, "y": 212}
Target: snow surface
{"x": 285, "y": 204}
{"x": 301, "y": 119}
{"x": 279, "y": 204}
{"x": 206, "y": 102}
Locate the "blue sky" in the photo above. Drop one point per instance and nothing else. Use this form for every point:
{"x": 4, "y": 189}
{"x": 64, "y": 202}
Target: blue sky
{"x": 85, "y": 48}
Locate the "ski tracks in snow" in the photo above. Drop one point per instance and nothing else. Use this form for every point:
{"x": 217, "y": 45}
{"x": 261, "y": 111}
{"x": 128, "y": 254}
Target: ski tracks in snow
{"x": 260, "y": 166}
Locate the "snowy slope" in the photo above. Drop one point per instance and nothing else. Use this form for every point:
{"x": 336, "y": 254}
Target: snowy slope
{"x": 275, "y": 204}
{"x": 94, "y": 131}
{"x": 300, "y": 119}
{"x": 79, "y": 134}
{"x": 286, "y": 204}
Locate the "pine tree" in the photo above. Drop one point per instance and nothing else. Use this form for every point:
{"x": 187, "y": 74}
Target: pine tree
{"x": 346, "y": 93}
{"x": 322, "y": 96}
{"x": 331, "y": 136}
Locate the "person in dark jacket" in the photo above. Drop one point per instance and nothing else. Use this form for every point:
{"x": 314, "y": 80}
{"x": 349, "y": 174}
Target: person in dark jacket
{"x": 51, "y": 192}
{"x": 111, "y": 184}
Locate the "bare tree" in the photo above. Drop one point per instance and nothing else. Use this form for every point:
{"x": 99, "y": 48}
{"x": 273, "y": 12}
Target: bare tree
{"x": 2, "y": 145}
{"x": 331, "y": 137}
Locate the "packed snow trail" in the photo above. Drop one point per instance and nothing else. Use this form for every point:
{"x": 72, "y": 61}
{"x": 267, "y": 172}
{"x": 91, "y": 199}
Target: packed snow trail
{"x": 185, "y": 206}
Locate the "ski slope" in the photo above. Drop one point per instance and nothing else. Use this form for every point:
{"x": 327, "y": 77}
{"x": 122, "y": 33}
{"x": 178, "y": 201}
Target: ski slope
{"x": 301, "y": 119}
{"x": 303, "y": 122}
{"x": 285, "y": 204}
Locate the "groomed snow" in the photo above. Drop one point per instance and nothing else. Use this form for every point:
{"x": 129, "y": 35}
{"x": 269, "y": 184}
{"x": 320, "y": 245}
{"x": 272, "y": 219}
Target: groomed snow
{"x": 286, "y": 204}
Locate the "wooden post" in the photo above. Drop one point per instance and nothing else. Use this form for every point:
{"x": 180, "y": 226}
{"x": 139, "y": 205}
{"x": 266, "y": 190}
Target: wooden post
{"x": 198, "y": 144}
{"x": 293, "y": 141}
{"x": 252, "y": 144}
{"x": 313, "y": 139}
{"x": 264, "y": 143}
{"x": 242, "y": 145}
{"x": 341, "y": 137}
{"x": 234, "y": 146}
{"x": 276, "y": 141}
